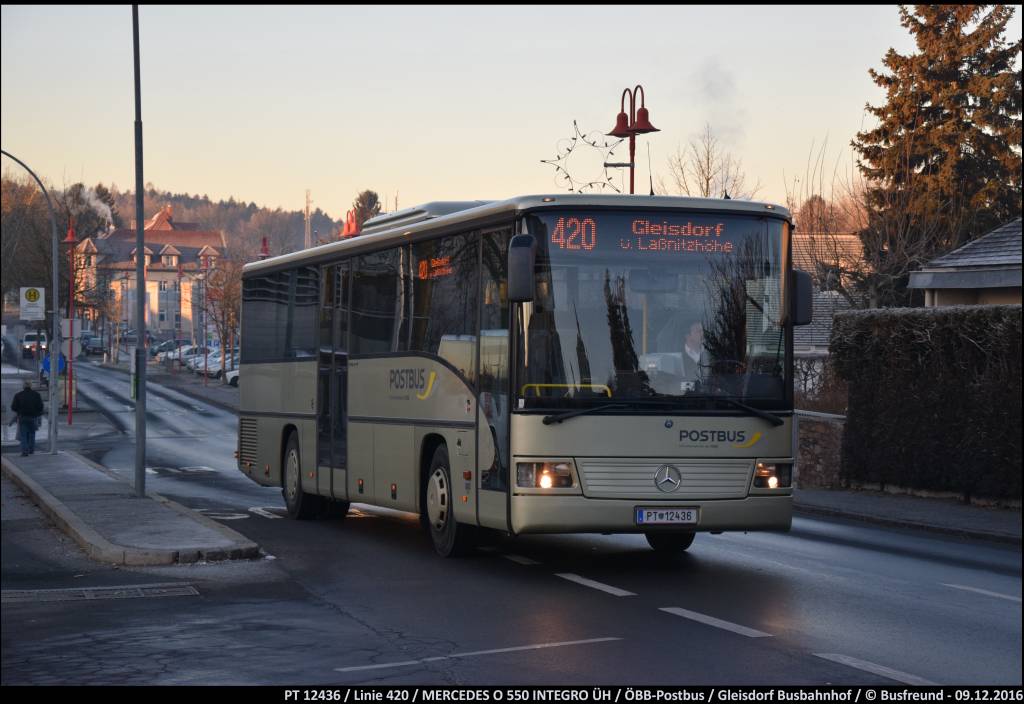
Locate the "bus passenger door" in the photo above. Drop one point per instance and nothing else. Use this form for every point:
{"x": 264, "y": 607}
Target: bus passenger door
{"x": 332, "y": 386}
{"x": 493, "y": 355}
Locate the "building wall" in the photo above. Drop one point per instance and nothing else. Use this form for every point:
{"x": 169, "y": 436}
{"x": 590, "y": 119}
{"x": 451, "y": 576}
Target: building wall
{"x": 971, "y": 296}
{"x": 952, "y": 297}
{"x": 990, "y": 296}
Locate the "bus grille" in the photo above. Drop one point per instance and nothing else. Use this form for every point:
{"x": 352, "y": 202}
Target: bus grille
{"x": 247, "y": 440}
{"x": 634, "y": 479}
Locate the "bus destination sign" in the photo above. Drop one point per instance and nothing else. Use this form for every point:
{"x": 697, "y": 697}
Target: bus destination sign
{"x": 642, "y": 234}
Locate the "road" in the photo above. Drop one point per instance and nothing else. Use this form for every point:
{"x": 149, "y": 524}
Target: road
{"x": 364, "y": 599}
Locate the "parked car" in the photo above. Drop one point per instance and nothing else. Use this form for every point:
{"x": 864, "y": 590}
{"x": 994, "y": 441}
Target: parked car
{"x": 217, "y": 363}
{"x": 232, "y": 377}
{"x": 96, "y": 345}
{"x": 30, "y": 341}
{"x": 195, "y": 358}
{"x": 176, "y": 353}
{"x": 167, "y": 346}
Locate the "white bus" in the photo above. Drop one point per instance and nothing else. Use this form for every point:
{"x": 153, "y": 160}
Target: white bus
{"x": 544, "y": 364}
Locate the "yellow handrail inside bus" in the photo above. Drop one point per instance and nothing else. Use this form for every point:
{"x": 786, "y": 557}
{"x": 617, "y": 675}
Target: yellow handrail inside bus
{"x": 607, "y": 390}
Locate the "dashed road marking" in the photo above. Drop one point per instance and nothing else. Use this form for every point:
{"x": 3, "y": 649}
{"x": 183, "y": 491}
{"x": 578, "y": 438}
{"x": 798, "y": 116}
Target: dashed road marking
{"x": 265, "y": 512}
{"x": 475, "y": 653}
{"x": 875, "y": 669}
{"x": 986, "y": 592}
{"x": 614, "y": 591}
{"x": 519, "y": 559}
{"x": 716, "y": 622}
{"x": 221, "y": 514}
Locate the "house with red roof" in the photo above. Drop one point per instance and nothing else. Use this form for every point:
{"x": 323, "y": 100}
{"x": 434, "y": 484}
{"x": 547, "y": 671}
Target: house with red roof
{"x": 177, "y": 256}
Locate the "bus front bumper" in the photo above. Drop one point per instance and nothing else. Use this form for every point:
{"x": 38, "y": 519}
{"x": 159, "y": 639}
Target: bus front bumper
{"x": 577, "y": 514}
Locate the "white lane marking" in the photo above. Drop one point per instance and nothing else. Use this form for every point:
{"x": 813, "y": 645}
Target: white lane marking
{"x": 264, "y": 512}
{"x": 475, "y": 653}
{"x": 520, "y": 560}
{"x": 614, "y": 591}
{"x": 716, "y": 622}
{"x": 874, "y": 669}
{"x": 986, "y": 592}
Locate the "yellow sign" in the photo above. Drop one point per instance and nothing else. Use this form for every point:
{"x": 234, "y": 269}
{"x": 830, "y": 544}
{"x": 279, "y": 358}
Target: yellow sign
{"x": 33, "y": 303}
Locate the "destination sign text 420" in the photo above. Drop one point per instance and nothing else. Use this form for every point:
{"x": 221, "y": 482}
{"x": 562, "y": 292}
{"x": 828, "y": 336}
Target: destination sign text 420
{"x": 581, "y": 234}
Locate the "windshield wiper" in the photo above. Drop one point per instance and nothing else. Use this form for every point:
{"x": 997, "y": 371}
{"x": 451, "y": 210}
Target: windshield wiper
{"x": 559, "y": 417}
{"x": 770, "y": 417}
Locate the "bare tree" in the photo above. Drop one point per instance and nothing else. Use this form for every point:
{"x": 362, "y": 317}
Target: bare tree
{"x": 705, "y": 169}
{"x": 864, "y": 236}
{"x": 24, "y": 234}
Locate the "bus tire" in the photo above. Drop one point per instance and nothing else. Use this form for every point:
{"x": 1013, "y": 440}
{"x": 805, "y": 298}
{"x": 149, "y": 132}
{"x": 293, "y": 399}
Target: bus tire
{"x": 449, "y": 538}
{"x": 300, "y": 505}
{"x": 668, "y": 543}
{"x": 335, "y": 509}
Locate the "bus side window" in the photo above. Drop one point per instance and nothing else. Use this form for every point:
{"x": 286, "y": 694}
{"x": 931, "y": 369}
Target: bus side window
{"x": 377, "y": 307}
{"x": 445, "y": 300}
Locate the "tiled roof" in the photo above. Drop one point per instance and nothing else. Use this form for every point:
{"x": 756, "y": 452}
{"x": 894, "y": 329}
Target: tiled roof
{"x": 1001, "y": 247}
{"x": 179, "y": 238}
{"x": 826, "y": 305}
{"x": 825, "y": 247}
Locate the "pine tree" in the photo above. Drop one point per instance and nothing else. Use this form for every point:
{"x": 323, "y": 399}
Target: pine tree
{"x": 943, "y": 166}
{"x": 366, "y": 206}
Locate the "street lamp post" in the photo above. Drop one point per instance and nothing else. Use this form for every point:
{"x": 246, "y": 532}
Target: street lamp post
{"x": 70, "y": 240}
{"x": 636, "y": 122}
{"x": 206, "y": 322}
{"x": 55, "y": 339}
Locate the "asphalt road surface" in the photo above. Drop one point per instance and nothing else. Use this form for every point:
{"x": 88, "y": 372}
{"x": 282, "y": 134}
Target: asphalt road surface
{"x": 365, "y": 600}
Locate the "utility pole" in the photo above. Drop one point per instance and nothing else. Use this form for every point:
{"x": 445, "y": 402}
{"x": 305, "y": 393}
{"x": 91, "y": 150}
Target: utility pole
{"x": 140, "y": 279}
{"x": 309, "y": 234}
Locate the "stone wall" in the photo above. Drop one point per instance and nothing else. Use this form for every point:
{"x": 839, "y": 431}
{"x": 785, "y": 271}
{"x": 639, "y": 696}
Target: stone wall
{"x": 819, "y": 446}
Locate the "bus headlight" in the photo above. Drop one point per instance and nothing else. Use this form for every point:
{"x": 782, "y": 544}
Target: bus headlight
{"x": 545, "y": 475}
{"x": 773, "y": 475}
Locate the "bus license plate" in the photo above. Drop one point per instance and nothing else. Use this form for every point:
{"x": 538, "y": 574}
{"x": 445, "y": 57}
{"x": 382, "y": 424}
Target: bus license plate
{"x": 665, "y": 516}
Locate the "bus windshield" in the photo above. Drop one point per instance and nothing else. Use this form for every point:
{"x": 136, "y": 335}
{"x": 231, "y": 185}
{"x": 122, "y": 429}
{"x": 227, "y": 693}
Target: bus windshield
{"x": 675, "y": 306}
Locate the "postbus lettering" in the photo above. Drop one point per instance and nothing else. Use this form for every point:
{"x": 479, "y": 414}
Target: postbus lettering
{"x": 737, "y": 436}
{"x": 402, "y": 379}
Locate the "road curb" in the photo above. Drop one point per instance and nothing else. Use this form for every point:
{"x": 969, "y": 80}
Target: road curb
{"x": 244, "y": 549}
{"x": 102, "y": 550}
{"x": 902, "y": 523}
{"x": 95, "y": 545}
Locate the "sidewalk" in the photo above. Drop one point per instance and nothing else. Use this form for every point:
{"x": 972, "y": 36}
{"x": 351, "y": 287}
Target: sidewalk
{"x": 936, "y": 515}
{"x": 100, "y": 512}
{"x": 86, "y": 421}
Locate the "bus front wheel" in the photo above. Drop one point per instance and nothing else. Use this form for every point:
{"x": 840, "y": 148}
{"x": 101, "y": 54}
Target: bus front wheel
{"x": 300, "y": 505}
{"x": 670, "y": 542}
{"x": 450, "y": 539}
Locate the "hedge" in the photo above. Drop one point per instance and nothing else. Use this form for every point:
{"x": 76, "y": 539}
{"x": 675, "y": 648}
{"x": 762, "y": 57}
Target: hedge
{"x": 934, "y": 398}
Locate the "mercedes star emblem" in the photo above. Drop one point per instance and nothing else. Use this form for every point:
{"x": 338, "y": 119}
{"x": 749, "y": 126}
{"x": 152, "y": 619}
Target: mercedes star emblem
{"x": 667, "y": 478}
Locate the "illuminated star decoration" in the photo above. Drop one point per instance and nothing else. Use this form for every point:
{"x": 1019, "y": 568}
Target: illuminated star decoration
{"x": 566, "y": 146}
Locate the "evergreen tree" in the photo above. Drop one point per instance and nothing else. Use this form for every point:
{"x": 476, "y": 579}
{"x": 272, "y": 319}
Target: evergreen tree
{"x": 943, "y": 166}
{"x": 366, "y": 206}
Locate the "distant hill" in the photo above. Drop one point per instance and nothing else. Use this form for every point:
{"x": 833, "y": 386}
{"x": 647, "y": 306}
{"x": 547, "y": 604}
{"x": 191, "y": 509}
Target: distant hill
{"x": 244, "y": 224}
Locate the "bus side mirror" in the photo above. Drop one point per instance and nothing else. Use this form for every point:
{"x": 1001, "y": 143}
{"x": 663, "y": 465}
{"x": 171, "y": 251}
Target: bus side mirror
{"x": 522, "y": 254}
{"x": 802, "y": 308}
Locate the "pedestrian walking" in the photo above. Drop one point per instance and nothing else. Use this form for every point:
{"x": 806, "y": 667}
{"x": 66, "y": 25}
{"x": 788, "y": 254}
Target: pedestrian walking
{"x": 28, "y": 405}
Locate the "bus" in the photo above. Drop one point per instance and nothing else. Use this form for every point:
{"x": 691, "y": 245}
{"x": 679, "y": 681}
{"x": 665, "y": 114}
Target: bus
{"x": 563, "y": 363}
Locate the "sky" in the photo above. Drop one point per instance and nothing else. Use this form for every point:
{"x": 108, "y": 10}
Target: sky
{"x": 428, "y": 102}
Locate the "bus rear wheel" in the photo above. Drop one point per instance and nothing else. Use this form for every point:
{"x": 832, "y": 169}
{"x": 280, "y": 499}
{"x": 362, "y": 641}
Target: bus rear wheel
{"x": 669, "y": 543}
{"x": 450, "y": 539}
{"x": 300, "y": 505}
